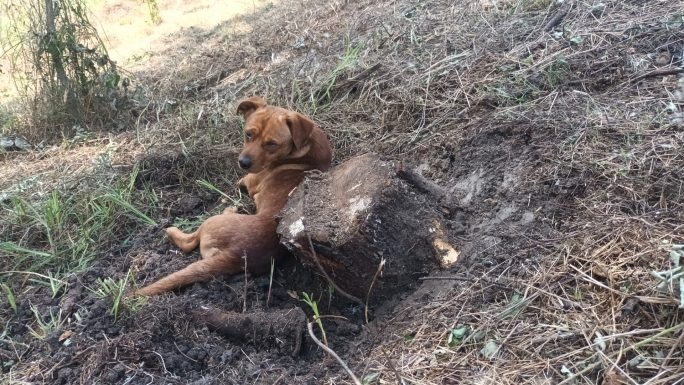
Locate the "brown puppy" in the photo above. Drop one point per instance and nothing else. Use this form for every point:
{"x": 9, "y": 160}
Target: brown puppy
{"x": 280, "y": 145}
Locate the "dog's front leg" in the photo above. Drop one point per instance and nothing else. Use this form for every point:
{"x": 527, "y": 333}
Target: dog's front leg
{"x": 249, "y": 183}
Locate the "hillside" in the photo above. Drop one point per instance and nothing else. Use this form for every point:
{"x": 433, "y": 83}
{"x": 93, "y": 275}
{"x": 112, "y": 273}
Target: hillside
{"x": 557, "y": 127}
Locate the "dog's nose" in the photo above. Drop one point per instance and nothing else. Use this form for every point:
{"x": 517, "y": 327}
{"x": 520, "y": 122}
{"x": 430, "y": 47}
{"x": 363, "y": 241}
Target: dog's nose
{"x": 245, "y": 162}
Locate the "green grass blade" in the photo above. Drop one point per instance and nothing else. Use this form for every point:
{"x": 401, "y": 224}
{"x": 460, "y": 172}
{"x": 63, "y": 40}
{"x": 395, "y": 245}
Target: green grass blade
{"x": 14, "y": 249}
{"x": 128, "y": 206}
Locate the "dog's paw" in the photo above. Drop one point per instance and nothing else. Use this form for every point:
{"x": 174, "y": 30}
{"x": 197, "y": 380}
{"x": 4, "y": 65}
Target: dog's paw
{"x": 243, "y": 189}
{"x": 171, "y": 230}
{"x": 230, "y": 210}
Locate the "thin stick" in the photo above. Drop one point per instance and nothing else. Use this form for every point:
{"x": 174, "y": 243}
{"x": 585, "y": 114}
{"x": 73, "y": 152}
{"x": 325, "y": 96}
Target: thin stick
{"x": 591, "y": 367}
{"x": 587, "y": 369}
{"x": 370, "y": 288}
{"x": 244, "y": 298}
{"x": 183, "y": 354}
{"x": 32, "y": 273}
{"x": 327, "y": 277}
{"x": 270, "y": 283}
{"x": 679, "y": 342}
{"x": 658, "y": 72}
{"x": 468, "y": 279}
{"x": 332, "y": 353}
{"x": 400, "y": 381}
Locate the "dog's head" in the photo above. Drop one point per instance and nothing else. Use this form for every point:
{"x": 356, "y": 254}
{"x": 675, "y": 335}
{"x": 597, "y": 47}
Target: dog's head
{"x": 272, "y": 135}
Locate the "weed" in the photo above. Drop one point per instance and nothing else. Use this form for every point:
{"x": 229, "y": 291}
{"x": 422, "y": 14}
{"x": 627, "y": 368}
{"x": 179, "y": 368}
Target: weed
{"x": 557, "y": 73}
{"x": 348, "y": 60}
{"x": 45, "y": 327}
{"x": 121, "y": 196}
{"x": 53, "y": 212}
{"x": 307, "y": 299}
{"x": 189, "y": 224}
{"x": 19, "y": 251}
{"x": 52, "y": 282}
{"x": 18, "y": 210}
{"x": 408, "y": 337}
{"x": 491, "y": 349}
{"x": 153, "y": 10}
{"x": 115, "y": 290}
{"x": 675, "y": 21}
{"x": 63, "y": 233}
{"x": 119, "y": 199}
{"x": 515, "y": 90}
{"x": 672, "y": 280}
{"x": 7, "y": 119}
{"x": 11, "y": 298}
{"x": 207, "y": 185}
{"x": 46, "y": 226}
{"x": 516, "y": 305}
{"x": 457, "y": 335}
{"x": 370, "y": 378}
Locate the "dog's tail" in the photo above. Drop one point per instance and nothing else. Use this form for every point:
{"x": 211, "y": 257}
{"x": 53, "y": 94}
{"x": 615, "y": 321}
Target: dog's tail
{"x": 185, "y": 242}
{"x": 202, "y": 270}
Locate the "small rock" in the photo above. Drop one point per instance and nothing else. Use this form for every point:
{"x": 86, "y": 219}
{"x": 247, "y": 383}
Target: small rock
{"x": 65, "y": 375}
{"x": 598, "y": 9}
{"x": 14, "y": 144}
{"x": 663, "y": 59}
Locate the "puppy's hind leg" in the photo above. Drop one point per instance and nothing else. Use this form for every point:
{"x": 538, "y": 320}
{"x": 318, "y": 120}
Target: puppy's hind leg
{"x": 185, "y": 242}
{"x": 202, "y": 270}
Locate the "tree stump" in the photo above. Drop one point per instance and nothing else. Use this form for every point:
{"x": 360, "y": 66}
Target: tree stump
{"x": 374, "y": 227}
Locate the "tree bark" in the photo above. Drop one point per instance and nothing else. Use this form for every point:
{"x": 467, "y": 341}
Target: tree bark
{"x": 375, "y": 228}
{"x": 280, "y": 330}
{"x": 65, "y": 85}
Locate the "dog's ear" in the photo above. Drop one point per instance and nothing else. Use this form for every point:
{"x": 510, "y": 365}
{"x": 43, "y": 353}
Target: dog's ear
{"x": 300, "y": 128}
{"x": 247, "y": 106}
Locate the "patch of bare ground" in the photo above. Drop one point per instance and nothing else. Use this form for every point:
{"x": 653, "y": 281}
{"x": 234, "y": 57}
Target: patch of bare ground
{"x": 557, "y": 127}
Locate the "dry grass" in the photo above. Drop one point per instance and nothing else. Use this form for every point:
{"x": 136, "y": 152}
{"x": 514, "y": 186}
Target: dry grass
{"x": 133, "y": 36}
{"x": 590, "y": 311}
{"x": 605, "y": 87}
{"x": 41, "y": 171}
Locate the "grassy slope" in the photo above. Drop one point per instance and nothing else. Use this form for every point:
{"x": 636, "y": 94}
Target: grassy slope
{"x": 431, "y": 80}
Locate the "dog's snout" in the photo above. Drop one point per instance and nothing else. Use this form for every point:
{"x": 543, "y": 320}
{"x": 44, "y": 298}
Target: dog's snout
{"x": 245, "y": 162}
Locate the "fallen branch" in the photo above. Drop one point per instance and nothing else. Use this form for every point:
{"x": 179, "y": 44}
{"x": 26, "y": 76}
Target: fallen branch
{"x": 332, "y": 353}
{"x": 557, "y": 18}
{"x": 658, "y": 72}
{"x": 370, "y": 289}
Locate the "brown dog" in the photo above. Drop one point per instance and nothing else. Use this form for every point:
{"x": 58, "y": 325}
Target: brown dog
{"x": 280, "y": 145}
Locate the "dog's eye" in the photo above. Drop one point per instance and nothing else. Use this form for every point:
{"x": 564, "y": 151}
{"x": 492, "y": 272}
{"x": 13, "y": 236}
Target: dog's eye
{"x": 271, "y": 145}
{"x": 248, "y": 136}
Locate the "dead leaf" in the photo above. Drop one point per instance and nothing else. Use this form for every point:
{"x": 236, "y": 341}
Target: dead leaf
{"x": 67, "y": 334}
